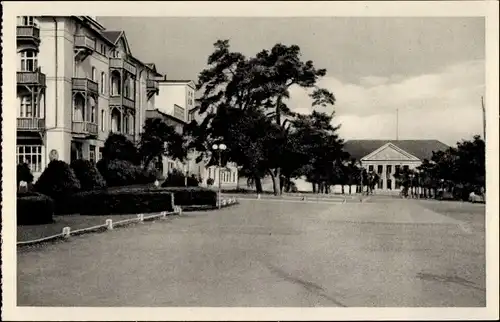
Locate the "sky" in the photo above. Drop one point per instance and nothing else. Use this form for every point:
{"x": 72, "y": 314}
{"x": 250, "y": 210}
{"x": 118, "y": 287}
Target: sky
{"x": 432, "y": 70}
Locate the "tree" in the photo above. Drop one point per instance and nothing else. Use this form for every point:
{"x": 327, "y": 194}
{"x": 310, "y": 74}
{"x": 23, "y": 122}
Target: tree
{"x": 158, "y": 139}
{"x": 257, "y": 87}
{"x": 118, "y": 147}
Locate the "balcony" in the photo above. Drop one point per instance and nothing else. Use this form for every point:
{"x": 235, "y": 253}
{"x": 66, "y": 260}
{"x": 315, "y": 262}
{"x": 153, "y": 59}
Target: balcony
{"x": 31, "y": 78}
{"x": 84, "y": 46}
{"x": 30, "y": 124}
{"x": 120, "y": 63}
{"x": 85, "y": 85}
{"x": 28, "y": 37}
{"x": 152, "y": 87}
{"x": 84, "y": 42}
{"x": 122, "y": 101}
{"x": 84, "y": 128}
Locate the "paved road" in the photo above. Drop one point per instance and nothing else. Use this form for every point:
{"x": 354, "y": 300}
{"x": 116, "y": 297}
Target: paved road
{"x": 268, "y": 253}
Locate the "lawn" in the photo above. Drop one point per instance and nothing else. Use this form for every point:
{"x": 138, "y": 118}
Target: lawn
{"x": 31, "y": 232}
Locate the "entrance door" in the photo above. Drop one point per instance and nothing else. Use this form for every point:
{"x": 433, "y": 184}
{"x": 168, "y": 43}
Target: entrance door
{"x": 76, "y": 150}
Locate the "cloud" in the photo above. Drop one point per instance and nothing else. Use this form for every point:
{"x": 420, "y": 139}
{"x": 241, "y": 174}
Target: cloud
{"x": 444, "y": 105}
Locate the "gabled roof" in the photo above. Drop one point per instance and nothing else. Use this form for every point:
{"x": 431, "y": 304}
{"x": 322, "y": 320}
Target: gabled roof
{"x": 112, "y": 36}
{"x": 422, "y": 149}
{"x": 157, "y": 113}
{"x": 190, "y": 83}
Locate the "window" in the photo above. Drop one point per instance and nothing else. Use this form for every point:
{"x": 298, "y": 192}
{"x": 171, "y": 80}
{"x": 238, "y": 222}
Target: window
{"x": 234, "y": 176}
{"x": 92, "y": 153}
{"x": 380, "y": 184}
{"x": 29, "y": 61}
{"x": 27, "y": 21}
{"x": 28, "y": 108}
{"x": 370, "y": 168}
{"x": 94, "y": 74}
{"x": 389, "y": 184}
{"x": 32, "y": 155}
{"x": 389, "y": 169}
{"x": 379, "y": 169}
{"x": 103, "y": 118}
{"x": 103, "y": 83}
{"x": 397, "y": 169}
{"x": 405, "y": 167}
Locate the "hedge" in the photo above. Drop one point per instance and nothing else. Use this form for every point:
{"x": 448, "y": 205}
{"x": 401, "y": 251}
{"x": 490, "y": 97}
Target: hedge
{"x": 116, "y": 202}
{"x": 122, "y": 173}
{"x": 190, "y": 196}
{"x": 34, "y": 209}
{"x": 58, "y": 180}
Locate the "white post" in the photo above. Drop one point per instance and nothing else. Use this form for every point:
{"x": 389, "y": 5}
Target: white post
{"x": 163, "y": 214}
{"x": 258, "y": 196}
{"x": 66, "y": 232}
{"x": 141, "y": 217}
{"x": 109, "y": 224}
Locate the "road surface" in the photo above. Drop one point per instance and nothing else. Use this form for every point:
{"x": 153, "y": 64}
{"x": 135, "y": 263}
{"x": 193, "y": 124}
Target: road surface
{"x": 274, "y": 254}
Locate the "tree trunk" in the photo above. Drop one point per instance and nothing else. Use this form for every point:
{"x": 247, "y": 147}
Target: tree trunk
{"x": 276, "y": 181}
{"x": 343, "y": 192}
{"x": 314, "y": 187}
{"x": 350, "y": 189}
{"x": 258, "y": 184}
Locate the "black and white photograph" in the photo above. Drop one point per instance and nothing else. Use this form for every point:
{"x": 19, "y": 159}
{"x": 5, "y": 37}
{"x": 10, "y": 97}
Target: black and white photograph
{"x": 250, "y": 161}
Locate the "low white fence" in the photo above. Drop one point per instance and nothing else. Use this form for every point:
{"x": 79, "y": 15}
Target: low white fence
{"x": 108, "y": 225}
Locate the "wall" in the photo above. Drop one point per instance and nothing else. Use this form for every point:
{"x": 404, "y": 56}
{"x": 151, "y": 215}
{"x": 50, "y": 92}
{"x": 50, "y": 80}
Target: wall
{"x": 168, "y": 96}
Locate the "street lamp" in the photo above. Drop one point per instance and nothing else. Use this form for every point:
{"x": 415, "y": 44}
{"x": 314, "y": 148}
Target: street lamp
{"x": 219, "y": 148}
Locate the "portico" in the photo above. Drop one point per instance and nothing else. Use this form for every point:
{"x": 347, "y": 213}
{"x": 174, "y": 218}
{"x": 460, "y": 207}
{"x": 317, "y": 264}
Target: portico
{"x": 386, "y": 157}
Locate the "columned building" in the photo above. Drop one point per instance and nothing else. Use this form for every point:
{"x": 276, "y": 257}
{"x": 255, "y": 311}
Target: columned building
{"x": 385, "y": 157}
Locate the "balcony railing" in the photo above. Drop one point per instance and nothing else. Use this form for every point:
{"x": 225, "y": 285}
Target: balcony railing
{"x": 82, "y": 41}
{"x": 152, "y": 85}
{"x": 127, "y": 102}
{"x": 28, "y": 33}
{"x": 121, "y": 101}
{"x": 31, "y": 78}
{"x": 30, "y": 124}
{"x": 84, "y": 84}
{"x": 84, "y": 127}
{"x": 122, "y": 64}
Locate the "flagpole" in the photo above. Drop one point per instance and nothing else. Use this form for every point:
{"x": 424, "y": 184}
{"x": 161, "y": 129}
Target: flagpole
{"x": 397, "y": 124}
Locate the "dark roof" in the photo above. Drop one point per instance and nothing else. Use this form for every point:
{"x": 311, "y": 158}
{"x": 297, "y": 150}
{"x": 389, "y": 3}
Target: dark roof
{"x": 422, "y": 149}
{"x": 157, "y": 113}
{"x": 112, "y": 35}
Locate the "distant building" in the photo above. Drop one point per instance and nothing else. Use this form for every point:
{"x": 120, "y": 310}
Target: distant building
{"x": 385, "y": 157}
{"x": 175, "y": 104}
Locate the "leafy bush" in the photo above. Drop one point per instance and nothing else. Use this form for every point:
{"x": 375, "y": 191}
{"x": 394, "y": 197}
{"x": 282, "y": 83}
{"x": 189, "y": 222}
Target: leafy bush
{"x": 210, "y": 181}
{"x": 118, "y": 172}
{"x": 123, "y": 173}
{"x": 88, "y": 175}
{"x": 24, "y": 173}
{"x": 34, "y": 209}
{"x": 122, "y": 202}
{"x": 178, "y": 179}
{"x": 57, "y": 181}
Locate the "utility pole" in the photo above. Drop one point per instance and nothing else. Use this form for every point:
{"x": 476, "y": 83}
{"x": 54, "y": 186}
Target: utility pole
{"x": 484, "y": 118}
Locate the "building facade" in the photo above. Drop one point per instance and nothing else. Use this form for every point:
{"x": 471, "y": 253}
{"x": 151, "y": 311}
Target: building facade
{"x": 386, "y": 157}
{"x": 76, "y": 83}
{"x": 175, "y": 103}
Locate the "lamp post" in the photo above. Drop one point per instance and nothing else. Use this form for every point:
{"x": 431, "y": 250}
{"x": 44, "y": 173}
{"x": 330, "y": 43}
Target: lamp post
{"x": 219, "y": 148}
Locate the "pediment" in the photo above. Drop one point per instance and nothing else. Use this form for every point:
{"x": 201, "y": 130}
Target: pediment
{"x": 389, "y": 152}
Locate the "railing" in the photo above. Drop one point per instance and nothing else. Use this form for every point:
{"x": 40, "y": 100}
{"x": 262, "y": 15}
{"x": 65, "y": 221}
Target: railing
{"x": 127, "y": 102}
{"x": 28, "y": 32}
{"x": 30, "y": 123}
{"x": 84, "y": 127}
{"x": 85, "y": 42}
{"x": 84, "y": 84}
{"x": 31, "y": 78}
{"x": 122, "y": 64}
{"x": 108, "y": 225}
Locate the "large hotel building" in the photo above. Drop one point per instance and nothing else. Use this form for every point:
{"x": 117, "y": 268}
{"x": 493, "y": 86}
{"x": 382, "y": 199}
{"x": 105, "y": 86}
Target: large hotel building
{"x": 77, "y": 82}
